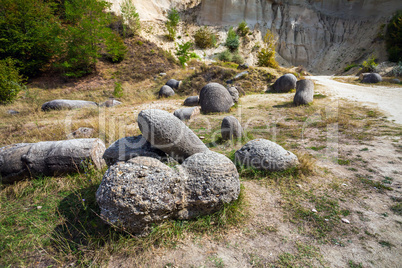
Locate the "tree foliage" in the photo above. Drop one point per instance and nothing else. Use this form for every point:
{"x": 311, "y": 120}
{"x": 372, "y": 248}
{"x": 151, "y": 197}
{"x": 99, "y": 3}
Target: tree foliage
{"x": 393, "y": 38}
{"x": 131, "y": 18}
{"x": 204, "y": 38}
{"x": 266, "y": 56}
{"x": 232, "y": 40}
{"x": 172, "y": 23}
{"x": 10, "y": 81}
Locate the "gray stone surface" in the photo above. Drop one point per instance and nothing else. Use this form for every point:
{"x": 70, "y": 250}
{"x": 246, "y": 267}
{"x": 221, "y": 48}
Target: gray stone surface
{"x": 234, "y": 93}
{"x": 371, "y": 78}
{"x": 243, "y": 66}
{"x": 304, "y": 92}
{"x": 110, "y": 103}
{"x": 173, "y": 83}
{"x": 167, "y": 133}
{"x": 231, "y": 128}
{"x": 240, "y": 75}
{"x": 82, "y": 132}
{"x": 285, "y": 83}
{"x": 186, "y": 113}
{"x": 265, "y": 155}
{"x": 395, "y": 81}
{"x": 12, "y": 168}
{"x": 67, "y": 104}
{"x": 215, "y": 98}
{"x": 12, "y": 112}
{"x": 192, "y": 101}
{"x": 131, "y": 147}
{"x": 135, "y": 194}
{"x": 166, "y": 91}
{"x": 49, "y": 158}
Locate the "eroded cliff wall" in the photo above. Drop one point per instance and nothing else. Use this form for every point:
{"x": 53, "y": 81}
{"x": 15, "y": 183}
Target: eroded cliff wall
{"x": 321, "y": 35}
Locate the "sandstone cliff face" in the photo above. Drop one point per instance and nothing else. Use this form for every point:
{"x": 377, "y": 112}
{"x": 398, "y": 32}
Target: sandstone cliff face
{"x": 321, "y": 35}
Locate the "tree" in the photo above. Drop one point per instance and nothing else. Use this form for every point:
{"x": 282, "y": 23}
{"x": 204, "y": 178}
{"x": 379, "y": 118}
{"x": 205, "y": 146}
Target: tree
{"x": 172, "y": 23}
{"x": 266, "y": 56}
{"x": 29, "y": 33}
{"x": 10, "y": 81}
{"x": 131, "y": 18}
{"x": 232, "y": 40}
{"x": 393, "y": 38}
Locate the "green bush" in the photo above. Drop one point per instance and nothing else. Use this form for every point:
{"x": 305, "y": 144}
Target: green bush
{"x": 225, "y": 56}
{"x": 242, "y": 28}
{"x": 397, "y": 70}
{"x": 369, "y": 65}
{"x": 116, "y": 50}
{"x": 266, "y": 56}
{"x": 183, "y": 53}
{"x": 10, "y": 81}
{"x": 393, "y": 38}
{"x": 232, "y": 40}
{"x": 237, "y": 58}
{"x": 131, "y": 18}
{"x": 171, "y": 24}
{"x": 118, "y": 90}
{"x": 204, "y": 38}
{"x": 350, "y": 66}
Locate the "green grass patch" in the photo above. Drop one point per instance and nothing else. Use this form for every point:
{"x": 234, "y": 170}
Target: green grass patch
{"x": 318, "y": 148}
{"x": 344, "y": 162}
{"x": 376, "y": 184}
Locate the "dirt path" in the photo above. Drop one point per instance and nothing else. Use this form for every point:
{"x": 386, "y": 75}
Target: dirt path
{"x": 387, "y": 99}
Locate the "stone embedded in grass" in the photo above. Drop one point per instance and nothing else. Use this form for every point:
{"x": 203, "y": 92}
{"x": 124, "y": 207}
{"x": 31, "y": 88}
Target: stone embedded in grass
{"x": 131, "y": 147}
{"x": 285, "y": 83}
{"x": 215, "y": 98}
{"x": 173, "y": 83}
{"x": 265, "y": 155}
{"x": 371, "y": 78}
{"x": 82, "y": 132}
{"x": 12, "y": 112}
{"x": 110, "y": 103}
{"x": 166, "y": 91}
{"x": 186, "y": 113}
{"x": 192, "y": 101}
{"x": 167, "y": 133}
{"x": 136, "y": 194}
{"x": 234, "y": 93}
{"x": 304, "y": 92}
{"x": 67, "y": 104}
{"x": 49, "y": 158}
{"x": 231, "y": 128}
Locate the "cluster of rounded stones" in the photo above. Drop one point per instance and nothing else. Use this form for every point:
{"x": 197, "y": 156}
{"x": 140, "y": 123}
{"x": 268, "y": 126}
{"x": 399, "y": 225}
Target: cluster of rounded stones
{"x": 167, "y": 90}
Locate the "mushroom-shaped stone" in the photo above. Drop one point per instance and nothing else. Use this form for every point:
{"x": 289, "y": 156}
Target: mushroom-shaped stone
{"x": 215, "y": 98}
{"x": 304, "y": 92}
{"x": 82, "y": 132}
{"x": 192, "y": 101}
{"x": 131, "y": 147}
{"x": 234, "y": 93}
{"x": 186, "y": 113}
{"x": 166, "y": 91}
{"x": 135, "y": 194}
{"x": 285, "y": 83}
{"x": 173, "y": 83}
{"x": 110, "y": 103}
{"x": 231, "y": 128}
{"x": 371, "y": 78}
{"x": 265, "y": 155}
{"x": 169, "y": 134}
{"x": 67, "y": 104}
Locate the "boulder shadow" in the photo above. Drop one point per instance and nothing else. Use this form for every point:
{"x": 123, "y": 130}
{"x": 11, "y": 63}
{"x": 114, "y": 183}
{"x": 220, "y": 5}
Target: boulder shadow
{"x": 288, "y": 104}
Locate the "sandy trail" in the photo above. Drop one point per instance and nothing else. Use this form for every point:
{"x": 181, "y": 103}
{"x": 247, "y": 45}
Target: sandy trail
{"x": 387, "y": 99}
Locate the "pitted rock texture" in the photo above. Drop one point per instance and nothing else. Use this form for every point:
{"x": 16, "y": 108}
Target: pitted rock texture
{"x": 304, "y": 92}
{"x": 131, "y": 147}
{"x": 234, "y": 93}
{"x": 166, "y": 92}
{"x": 169, "y": 134}
{"x": 265, "y": 155}
{"x": 231, "y": 128}
{"x": 371, "y": 78}
{"x": 173, "y": 83}
{"x": 67, "y": 104}
{"x": 49, "y": 158}
{"x": 192, "y": 101}
{"x": 82, "y": 132}
{"x": 285, "y": 83}
{"x": 215, "y": 98}
{"x": 143, "y": 191}
{"x": 186, "y": 113}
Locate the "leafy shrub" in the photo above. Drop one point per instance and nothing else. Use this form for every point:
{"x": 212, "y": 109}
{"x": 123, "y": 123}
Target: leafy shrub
{"x": 232, "y": 40}
{"x": 10, "y": 81}
{"x": 393, "y": 38}
{"x": 242, "y": 29}
{"x": 369, "y": 65}
{"x": 171, "y": 24}
{"x": 118, "y": 90}
{"x": 116, "y": 50}
{"x": 204, "y": 38}
{"x": 350, "y": 66}
{"x": 266, "y": 56}
{"x": 184, "y": 54}
{"x": 131, "y": 18}
{"x": 237, "y": 58}
{"x": 397, "y": 70}
{"x": 225, "y": 56}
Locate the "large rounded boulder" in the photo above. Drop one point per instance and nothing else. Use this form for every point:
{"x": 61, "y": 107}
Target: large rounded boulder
{"x": 265, "y": 155}
{"x": 166, "y": 92}
{"x": 192, "y": 101}
{"x": 67, "y": 104}
{"x": 169, "y": 134}
{"x": 231, "y": 128}
{"x": 186, "y": 113}
{"x": 371, "y": 78}
{"x": 215, "y": 98}
{"x": 173, "y": 83}
{"x": 304, "y": 92}
{"x": 285, "y": 83}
